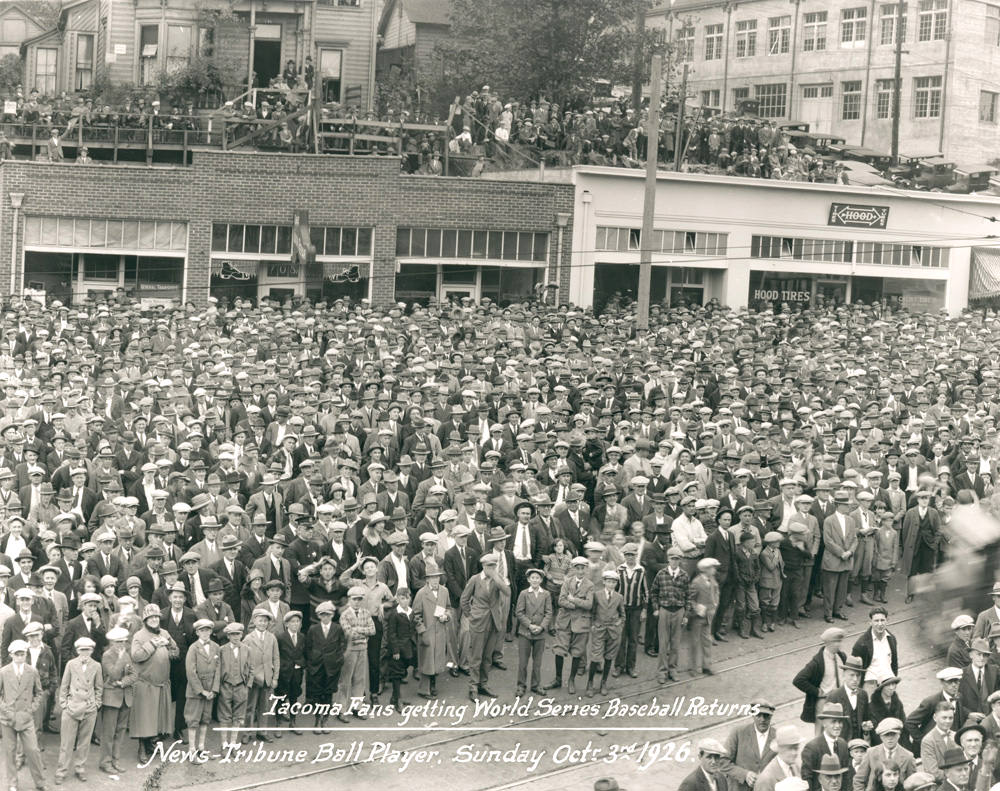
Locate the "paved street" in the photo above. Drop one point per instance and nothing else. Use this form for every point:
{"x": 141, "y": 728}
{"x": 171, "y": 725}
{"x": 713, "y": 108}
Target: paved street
{"x": 535, "y": 745}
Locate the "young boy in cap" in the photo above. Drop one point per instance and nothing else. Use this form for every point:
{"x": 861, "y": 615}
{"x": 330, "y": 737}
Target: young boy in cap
{"x": 21, "y": 696}
{"x": 573, "y": 621}
{"x": 533, "y": 612}
{"x": 886, "y": 549}
{"x": 400, "y": 643}
{"x": 358, "y": 626}
{"x": 262, "y": 646}
{"x": 705, "y": 601}
{"x": 202, "y": 667}
{"x": 116, "y": 703}
{"x": 772, "y": 572}
{"x": 325, "y": 644}
{"x": 292, "y": 661}
{"x": 41, "y": 658}
{"x": 235, "y": 679}
{"x": 606, "y": 634}
{"x": 671, "y": 598}
{"x": 80, "y": 696}
{"x": 747, "y": 578}
{"x": 632, "y": 585}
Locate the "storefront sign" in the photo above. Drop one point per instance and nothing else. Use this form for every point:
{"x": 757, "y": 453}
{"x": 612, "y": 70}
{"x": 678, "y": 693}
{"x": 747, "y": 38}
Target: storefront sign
{"x": 773, "y": 294}
{"x": 282, "y": 269}
{"x": 851, "y": 215}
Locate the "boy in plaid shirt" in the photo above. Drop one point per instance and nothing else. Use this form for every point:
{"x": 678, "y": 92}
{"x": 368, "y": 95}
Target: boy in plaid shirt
{"x": 670, "y": 594}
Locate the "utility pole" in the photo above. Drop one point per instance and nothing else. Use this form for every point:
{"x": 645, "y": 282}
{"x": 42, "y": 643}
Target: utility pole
{"x": 638, "y": 55}
{"x": 897, "y": 79}
{"x": 649, "y": 198}
{"x": 681, "y": 107}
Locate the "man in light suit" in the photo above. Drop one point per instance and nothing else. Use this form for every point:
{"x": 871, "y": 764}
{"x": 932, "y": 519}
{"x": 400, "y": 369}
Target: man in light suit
{"x": 534, "y": 615}
{"x": 20, "y": 695}
{"x": 988, "y": 617}
{"x": 486, "y": 604}
{"x": 840, "y": 540}
{"x": 785, "y": 762}
{"x": 889, "y": 731}
{"x": 750, "y": 747}
{"x": 273, "y": 565}
{"x": 937, "y": 740}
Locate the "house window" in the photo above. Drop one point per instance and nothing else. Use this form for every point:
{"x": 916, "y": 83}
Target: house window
{"x": 883, "y": 98}
{"x": 772, "y": 99}
{"x": 206, "y": 41}
{"x": 330, "y": 66}
{"x": 685, "y": 43}
{"x": 746, "y": 38}
{"x": 988, "y": 106}
{"x": 932, "y": 20}
{"x": 713, "y": 42}
{"x": 739, "y": 94}
{"x": 178, "y": 47}
{"x": 710, "y": 98}
{"x": 887, "y": 24}
{"x": 84, "y": 61}
{"x": 853, "y": 26}
{"x": 927, "y": 97}
{"x": 850, "y": 108}
{"x": 45, "y": 70}
{"x": 992, "y": 26}
{"x": 149, "y": 44}
{"x": 779, "y": 35}
{"x": 814, "y": 32}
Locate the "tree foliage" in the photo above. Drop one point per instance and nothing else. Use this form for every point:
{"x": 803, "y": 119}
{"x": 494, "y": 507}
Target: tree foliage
{"x": 526, "y": 48}
{"x": 11, "y": 73}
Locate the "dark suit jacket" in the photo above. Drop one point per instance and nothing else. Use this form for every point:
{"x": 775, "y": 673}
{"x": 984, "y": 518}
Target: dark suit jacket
{"x": 971, "y": 696}
{"x": 290, "y": 655}
{"x": 696, "y": 781}
{"x": 234, "y": 583}
{"x": 855, "y": 715}
{"x": 75, "y": 629}
{"x": 808, "y": 680}
{"x": 400, "y": 635}
{"x": 457, "y": 574}
{"x": 206, "y": 576}
{"x": 921, "y": 719}
{"x": 325, "y": 654}
{"x": 813, "y": 753}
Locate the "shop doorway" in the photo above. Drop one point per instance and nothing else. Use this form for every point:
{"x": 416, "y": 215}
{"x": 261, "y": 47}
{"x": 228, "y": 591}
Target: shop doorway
{"x": 266, "y": 60}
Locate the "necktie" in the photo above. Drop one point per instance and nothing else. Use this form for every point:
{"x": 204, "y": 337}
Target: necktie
{"x": 836, "y": 671}
{"x": 524, "y": 541}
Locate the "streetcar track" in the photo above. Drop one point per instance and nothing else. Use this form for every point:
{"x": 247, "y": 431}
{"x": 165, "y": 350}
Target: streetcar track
{"x": 465, "y": 735}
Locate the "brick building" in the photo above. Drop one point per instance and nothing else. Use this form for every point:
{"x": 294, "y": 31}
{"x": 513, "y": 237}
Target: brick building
{"x": 832, "y": 66}
{"x": 224, "y": 225}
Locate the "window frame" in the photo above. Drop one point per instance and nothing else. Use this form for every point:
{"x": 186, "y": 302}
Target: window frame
{"x": 51, "y": 78}
{"x": 991, "y": 115}
{"x": 746, "y": 35}
{"x": 814, "y": 31}
{"x": 779, "y": 35}
{"x": 714, "y": 43}
{"x": 764, "y": 97}
{"x": 850, "y": 100}
{"x": 853, "y": 27}
{"x": 932, "y": 20}
{"x": 927, "y": 97}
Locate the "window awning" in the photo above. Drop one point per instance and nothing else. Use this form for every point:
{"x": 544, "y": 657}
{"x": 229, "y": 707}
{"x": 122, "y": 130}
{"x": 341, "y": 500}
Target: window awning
{"x": 984, "y": 282}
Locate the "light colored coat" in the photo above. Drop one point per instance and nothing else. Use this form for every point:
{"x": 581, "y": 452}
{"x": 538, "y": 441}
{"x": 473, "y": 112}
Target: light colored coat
{"x": 19, "y": 697}
{"x": 203, "y": 669}
{"x": 264, "y": 660}
{"x": 432, "y": 634}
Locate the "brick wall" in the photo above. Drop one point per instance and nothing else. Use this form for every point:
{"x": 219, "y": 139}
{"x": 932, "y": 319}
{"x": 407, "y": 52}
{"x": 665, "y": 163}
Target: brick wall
{"x": 267, "y": 188}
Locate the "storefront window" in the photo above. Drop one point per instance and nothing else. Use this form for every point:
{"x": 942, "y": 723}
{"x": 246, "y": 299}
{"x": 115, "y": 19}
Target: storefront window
{"x": 417, "y": 283}
{"x": 777, "y": 289}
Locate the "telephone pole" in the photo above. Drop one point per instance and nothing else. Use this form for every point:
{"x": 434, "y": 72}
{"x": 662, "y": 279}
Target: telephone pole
{"x": 638, "y": 54}
{"x": 681, "y": 107}
{"x": 649, "y": 198}
{"x": 897, "y": 79}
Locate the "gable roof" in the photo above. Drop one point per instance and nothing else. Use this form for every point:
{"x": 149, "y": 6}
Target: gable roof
{"x": 419, "y": 12}
{"x": 41, "y": 12}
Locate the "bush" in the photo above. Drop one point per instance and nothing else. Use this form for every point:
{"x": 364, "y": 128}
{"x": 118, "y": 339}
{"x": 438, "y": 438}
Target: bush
{"x": 11, "y": 72}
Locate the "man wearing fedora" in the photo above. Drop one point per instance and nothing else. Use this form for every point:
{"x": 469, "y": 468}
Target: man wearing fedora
{"x": 827, "y": 745}
{"x": 840, "y": 542}
{"x": 785, "y": 763}
{"x": 710, "y": 774}
{"x": 830, "y": 775}
{"x": 979, "y": 679}
{"x": 955, "y": 769}
{"x": 853, "y": 699}
{"x": 971, "y": 737}
{"x": 990, "y": 616}
{"x": 231, "y": 571}
{"x": 273, "y": 564}
{"x": 889, "y": 750}
{"x": 750, "y": 747}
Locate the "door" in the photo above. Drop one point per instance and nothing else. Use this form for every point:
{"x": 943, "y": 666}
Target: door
{"x": 457, "y": 293}
{"x": 459, "y": 281}
{"x": 266, "y": 54}
{"x": 832, "y": 291}
{"x": 817, "y": 107}
{"x": 330, "y": 70}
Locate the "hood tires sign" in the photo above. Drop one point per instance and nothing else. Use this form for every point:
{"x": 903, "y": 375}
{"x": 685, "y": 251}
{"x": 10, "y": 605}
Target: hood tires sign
{"x": 851, "y": 215}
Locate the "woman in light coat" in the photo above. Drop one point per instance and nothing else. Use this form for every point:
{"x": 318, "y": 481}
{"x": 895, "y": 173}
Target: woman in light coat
{"x": 430, "y": 609}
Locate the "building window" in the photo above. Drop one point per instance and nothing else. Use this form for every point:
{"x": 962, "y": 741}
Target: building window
{"x": 894, "y": 254}
{"x": 277, "y": 239}
{"x": 746, "y": 38}
{"x": 710, "y": 98}
{"x": 830, "y": 250}
{"x": 685, "y": 43}
{"x": 772, "y": 98}
{"x": 206, "y": 41}
{"x": 850, "y": 108}
{"x": 992, "y": 26}
{"x": 45, "y": 70}
{"x": 853, "y": 26}
{"x": 779, "y": 35}
{"x": 932, "y": 20}
{"x": 84, "y": 61}
{"x": 621, "y": 240}
{"x": 883, "y": 98}
{"x": 178, "y": 47}
{"x": 887, "y": 24}
{"x": 83, "y": 233}
{"x": 814, "y": 32}
{"x": 493, "y": 245}
{"x": 988, "y": 106}
{"x": 927, "y": 97}
{"x": 817, "y": 91}
{"x": 330, "y": 71}
{"x": 739, "y": 94}
{"x": 149, "y": 44}
{"x": 713, "y": 42}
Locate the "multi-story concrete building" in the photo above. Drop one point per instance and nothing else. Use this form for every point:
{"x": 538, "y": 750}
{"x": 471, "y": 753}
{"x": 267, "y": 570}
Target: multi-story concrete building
{"x": 832, "y": 65}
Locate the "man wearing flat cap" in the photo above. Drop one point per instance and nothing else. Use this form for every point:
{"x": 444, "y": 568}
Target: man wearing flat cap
{"x": 710, "y": 775}
{"x": 750, "y": 746}
{"x": 889, "y": 731}
{"x": 922, "y": 719}
{"x": 485, "y": 604}
{"x": 821, "y": 674}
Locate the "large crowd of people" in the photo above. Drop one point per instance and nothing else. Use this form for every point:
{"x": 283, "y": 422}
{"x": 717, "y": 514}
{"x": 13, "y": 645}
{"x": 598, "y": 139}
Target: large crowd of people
{"x": 206, "y": 507}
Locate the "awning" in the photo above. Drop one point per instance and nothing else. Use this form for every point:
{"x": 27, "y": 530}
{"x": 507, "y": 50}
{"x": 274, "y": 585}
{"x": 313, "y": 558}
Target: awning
{"x": 984, "y": 282}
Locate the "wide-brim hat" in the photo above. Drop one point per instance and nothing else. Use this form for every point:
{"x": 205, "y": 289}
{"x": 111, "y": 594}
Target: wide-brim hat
{"x": 953, "y": 756}
{"x": 831, "y": 711}
{"x": 830, "y": 765}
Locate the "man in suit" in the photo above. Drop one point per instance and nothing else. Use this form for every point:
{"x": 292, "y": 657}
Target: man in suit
{"x": 924, "y": 717}
{"x": 195, "y": 578}
{"x": 852, "y": 699}
{"x": 269, "y": 502}
{"x": 990, "y": 616}
{"x": 86, "y": 624}
{"x": 821, "y": 674}
{"x": 938, "y": 739}
{"x": 750, "y": 747}
{"x": 840, "y": 540}
{"x": 888, "y": 730}
{"x": 103, "y": 562}
{"x": 785, "y": 763}
{"x": 485, "y": 602}
{"x": 819, "y": 754}
{"x": 231, "y": 571}
{"x": 273, "y": 565}
{"x": 394, "y": 569}
{"x": 460, "y": 564}
{"x": 979, "y": 679}
{"x": 20, "y": 695}
{"x": 709, "y": 776}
